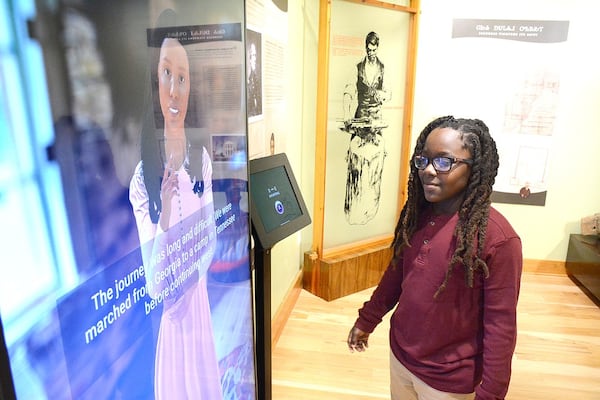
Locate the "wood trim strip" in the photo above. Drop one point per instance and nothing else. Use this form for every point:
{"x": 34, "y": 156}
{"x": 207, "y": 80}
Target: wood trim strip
{"x": 357, "y": 247}
{"x": 321, "y": 126}
{"x": 285, "y": 309}
{"x": 389, "y": 6}
{"x": 545, "y": 267}
{"x": 409, "y": 96}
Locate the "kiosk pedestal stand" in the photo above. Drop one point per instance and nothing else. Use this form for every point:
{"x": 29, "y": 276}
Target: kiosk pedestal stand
{"x": 262, "y": 294}
{"x": 277, "y": 210}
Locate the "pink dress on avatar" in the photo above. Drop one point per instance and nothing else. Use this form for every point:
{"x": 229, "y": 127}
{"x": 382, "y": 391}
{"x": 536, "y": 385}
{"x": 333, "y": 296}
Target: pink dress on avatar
{"x": 175, "y": 264}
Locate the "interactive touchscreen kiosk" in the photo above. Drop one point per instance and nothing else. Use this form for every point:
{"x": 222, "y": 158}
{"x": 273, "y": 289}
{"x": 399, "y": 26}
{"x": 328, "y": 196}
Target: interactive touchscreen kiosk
{"x": 277, "y": 210}
{"x": 277, "y": 206}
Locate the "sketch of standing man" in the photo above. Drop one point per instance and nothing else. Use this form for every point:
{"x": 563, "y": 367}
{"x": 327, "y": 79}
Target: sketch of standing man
{"x": 366, "y": 152}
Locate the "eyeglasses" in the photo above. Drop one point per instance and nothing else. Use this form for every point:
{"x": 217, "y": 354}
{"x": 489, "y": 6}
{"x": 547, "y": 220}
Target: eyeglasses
{"x": 440, "y": 164}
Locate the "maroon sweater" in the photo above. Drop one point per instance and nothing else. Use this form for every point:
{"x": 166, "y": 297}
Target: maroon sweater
{"x": 463, "y": 340}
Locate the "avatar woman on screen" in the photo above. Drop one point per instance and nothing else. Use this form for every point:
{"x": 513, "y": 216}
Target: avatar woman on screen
{"x": 171, "y": 195}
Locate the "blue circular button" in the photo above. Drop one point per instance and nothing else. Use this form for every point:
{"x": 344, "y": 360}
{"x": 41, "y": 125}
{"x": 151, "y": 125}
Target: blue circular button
{"x": 279, "y": 207}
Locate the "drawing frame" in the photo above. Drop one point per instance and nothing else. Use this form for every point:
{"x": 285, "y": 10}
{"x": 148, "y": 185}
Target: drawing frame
{"x": 346, "y": 45}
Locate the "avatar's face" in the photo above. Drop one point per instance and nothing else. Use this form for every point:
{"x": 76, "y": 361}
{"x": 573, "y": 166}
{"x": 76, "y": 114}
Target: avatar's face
{"x": 173, "y": 82}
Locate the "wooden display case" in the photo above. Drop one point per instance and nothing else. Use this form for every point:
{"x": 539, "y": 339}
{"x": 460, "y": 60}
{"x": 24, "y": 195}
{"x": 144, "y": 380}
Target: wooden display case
{"x": 583, "y": 262}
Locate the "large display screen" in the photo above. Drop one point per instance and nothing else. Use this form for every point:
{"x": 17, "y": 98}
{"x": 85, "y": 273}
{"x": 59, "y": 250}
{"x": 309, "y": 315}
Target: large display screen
{"x": 149, "y": 115}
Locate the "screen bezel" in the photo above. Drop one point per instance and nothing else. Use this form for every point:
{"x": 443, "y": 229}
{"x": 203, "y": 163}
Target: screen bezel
{"x": 268, "y": 239}
{"x": 7, "y": 388}
{"x": 80, "y": 249}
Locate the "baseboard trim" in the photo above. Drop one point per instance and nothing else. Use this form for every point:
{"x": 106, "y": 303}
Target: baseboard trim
{"x": 548, "y": 267}
{"x": 285, "y": 309}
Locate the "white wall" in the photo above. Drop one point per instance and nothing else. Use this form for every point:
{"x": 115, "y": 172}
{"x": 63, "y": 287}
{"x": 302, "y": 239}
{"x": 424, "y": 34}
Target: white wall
{"x": 574, "y": 173}
{"x": 573, "y": 179}
{"x": 287, "y": 255}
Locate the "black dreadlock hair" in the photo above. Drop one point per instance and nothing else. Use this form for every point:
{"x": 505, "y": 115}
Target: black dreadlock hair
{"x": 474, "y": 211}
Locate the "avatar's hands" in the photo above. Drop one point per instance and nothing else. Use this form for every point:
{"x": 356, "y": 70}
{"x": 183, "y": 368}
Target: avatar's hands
{"x": 168, "y": 188}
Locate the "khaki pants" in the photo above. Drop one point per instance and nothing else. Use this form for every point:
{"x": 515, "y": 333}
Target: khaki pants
{"x": 404, "y": 385}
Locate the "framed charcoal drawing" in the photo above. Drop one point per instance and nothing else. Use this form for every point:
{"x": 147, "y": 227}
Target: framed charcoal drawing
{"x": 364, "y": 113}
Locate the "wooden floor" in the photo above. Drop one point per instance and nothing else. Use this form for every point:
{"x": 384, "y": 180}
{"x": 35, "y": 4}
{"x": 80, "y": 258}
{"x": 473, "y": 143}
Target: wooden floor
{"x": 557, "y": 354}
